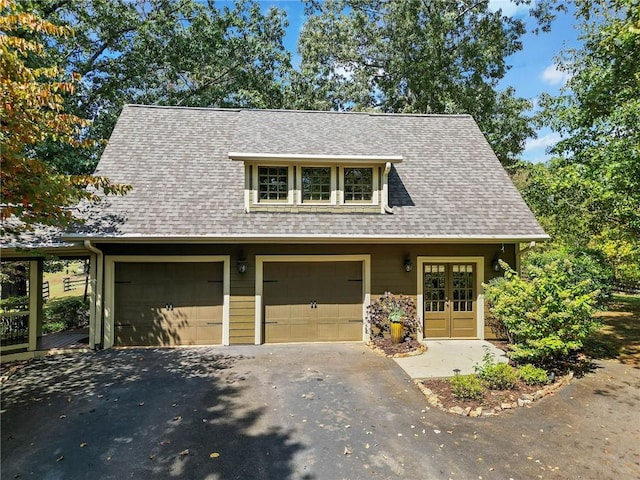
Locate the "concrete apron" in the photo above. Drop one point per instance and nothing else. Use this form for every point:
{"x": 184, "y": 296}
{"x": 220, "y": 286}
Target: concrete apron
{"x": 444, "y": 356}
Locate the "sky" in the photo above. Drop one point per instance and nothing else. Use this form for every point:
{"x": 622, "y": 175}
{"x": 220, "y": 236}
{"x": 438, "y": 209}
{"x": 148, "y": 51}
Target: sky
{"x": 532, "y": 69}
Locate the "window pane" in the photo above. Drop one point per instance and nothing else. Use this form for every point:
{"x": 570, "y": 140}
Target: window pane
{"x": 434, "y": 288}
{"x": 358, "y": 184}
{"x": 273, "y": 183}
{"x": 316, "y": 183}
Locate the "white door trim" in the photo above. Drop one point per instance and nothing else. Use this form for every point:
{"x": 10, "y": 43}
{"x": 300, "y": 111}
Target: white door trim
{"x": 109, "y": 273}
{"x": 262, "y": 259}
{"x": 479, "y": 262}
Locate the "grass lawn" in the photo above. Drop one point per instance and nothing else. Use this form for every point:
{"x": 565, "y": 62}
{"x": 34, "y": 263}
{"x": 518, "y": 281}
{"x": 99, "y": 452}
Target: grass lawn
{"x": 620, "y": 335}
{"x": 56, "y": 288}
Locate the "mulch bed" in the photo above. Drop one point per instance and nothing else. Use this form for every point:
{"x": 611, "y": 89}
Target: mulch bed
{"x": 491, "y": 399}
{"x": 386, "y": 347}
{"x": 438, "y": 392}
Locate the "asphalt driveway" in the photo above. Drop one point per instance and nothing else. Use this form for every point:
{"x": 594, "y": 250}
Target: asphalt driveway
{"x": 296, "y": 412}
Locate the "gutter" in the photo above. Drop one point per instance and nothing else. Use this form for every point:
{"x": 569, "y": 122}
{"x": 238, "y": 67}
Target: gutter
{"x": 95, "y": 317}
{"x": 318, "y": 239}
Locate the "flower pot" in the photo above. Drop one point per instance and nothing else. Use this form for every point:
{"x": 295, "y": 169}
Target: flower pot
{"x": 396, "y": 332}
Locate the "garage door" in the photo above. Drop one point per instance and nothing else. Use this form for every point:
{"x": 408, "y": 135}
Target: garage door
{"x": 168, "y": 303}
{"x": 312, "y": 301}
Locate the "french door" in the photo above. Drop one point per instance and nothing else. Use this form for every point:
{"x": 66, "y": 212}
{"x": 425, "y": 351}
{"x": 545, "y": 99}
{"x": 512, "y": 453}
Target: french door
{"x": 450, "y": 305}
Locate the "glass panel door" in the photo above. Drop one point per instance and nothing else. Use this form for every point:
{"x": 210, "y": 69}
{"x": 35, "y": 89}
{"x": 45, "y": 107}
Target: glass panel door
{"x": 449, "y": 300}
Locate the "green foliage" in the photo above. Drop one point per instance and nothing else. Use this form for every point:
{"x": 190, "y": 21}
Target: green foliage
{"x": 167, "y": 52}
{"x": 548, "y": 314}
{"x": 413, "y": 56}
{"x": 33, "y": 93}
{"x": 586, "y": 266}
{"x": 393, "y": 308}
{"x": 588, "y": 197}
{"x": 466, "y": 387}
{"x": 532, "y": 375}
{"x": 73, "y": 312}
{"x": 499, "y": 376}
{"x": 496, "y": 376}
{"x": 53, "y": 327}
{"x": 14, "y": 304}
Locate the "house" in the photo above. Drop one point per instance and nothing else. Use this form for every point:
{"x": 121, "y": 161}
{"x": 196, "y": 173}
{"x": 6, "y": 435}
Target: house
{"x": 261, "y": 226}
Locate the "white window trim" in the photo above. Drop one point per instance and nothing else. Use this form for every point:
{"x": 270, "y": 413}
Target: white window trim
{"x": 110, "y": 278}
{"x": 262, "y": 259}
{"x": 375, "y": 192}
{"x": 479, "y": 265}
{"x": 256, "y": 186}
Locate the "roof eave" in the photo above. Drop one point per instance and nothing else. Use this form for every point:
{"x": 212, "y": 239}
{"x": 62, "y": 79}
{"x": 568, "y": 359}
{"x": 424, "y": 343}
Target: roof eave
{"x": 317, "y": 239}
{"x": 316, "y": 158}
{"x": 35, "y": 250}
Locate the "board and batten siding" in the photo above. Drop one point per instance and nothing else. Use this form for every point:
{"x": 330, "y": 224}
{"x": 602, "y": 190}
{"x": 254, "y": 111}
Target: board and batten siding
{"x": 242, "y": 306}
{"x": 387, "y": 270}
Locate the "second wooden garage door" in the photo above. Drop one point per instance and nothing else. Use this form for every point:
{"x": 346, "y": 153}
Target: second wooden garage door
{"x": 168, "y": 303}
{"x": 312, "y": 301}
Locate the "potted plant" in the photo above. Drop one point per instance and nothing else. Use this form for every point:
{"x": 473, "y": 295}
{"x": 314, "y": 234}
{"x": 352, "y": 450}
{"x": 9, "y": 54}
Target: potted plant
{"x": 396, "y": 323}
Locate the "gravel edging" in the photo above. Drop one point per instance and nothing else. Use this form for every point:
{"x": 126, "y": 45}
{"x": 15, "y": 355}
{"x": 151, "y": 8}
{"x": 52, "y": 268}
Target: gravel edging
{"x": 524, "y": 401}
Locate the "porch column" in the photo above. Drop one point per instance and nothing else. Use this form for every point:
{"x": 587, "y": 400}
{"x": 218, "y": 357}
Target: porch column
{"x": 36, "y": 312}
{"x": 95, "y": 300}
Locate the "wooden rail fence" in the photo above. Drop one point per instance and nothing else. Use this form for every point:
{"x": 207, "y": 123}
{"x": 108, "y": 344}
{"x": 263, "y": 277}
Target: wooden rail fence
{"x": 45, "y": 290}
{"x": 69, "y": 283}
{"x": 626, "y": 287}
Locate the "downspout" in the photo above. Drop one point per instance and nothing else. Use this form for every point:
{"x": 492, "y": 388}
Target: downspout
{"x": 385, "y": 189}
{"x": 97, "y": 293}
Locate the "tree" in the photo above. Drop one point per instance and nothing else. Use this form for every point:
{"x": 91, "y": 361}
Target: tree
{"x": 416, "y": 56}
{"x": 592, "y": 185}
{"x": 167, "y": 52}
{"x": 32, "y": 111}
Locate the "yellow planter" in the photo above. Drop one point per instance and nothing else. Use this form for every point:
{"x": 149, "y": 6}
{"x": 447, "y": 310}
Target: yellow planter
{"x": 396, "y": 332}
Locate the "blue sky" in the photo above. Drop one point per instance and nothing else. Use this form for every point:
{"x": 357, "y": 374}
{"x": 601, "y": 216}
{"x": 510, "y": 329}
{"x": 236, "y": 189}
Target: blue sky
{"x": 532, "y": 69}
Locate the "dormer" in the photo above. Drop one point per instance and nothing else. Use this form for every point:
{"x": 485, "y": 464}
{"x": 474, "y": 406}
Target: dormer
{"x": 295, "y": 183}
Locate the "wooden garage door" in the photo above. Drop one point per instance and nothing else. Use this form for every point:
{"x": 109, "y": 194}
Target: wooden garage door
{"x": 168, "y": 303}
{"x": 312, "y": 301}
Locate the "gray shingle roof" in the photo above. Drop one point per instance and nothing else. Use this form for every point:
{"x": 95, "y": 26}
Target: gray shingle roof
{"x": 449, "y": 184}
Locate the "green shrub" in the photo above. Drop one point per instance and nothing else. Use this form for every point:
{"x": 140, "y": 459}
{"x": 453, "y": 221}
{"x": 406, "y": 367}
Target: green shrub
{"x": 499, "y": 376}
{"x": 53, "y": 327}
{"x": 466, "y": 387}
{"x": 13, "y": 304}
{"x": 496, "y": 376}
{"x": 73, "y": 312}
{"x": 585, "y": 265}
{"x": 532, "y": 375}
{"x": 396, "y": 308}
{"x": 547, "y": 315}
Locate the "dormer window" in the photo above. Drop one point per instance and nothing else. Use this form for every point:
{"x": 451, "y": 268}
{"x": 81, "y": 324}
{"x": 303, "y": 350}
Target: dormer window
{"x": 316, "y": 183}
{"x": 273, "y": 184}
{"x": 358, "y": 184}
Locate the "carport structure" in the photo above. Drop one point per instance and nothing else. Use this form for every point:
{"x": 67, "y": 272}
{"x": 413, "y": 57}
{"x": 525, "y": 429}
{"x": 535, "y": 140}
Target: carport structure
{"x": 22, "y": 329}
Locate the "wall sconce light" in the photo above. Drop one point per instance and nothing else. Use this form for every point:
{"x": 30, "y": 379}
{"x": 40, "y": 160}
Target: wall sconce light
{"x": 495, "y": 263}
{"x": 241, "y": 264}
{"x": 408, "y": 266}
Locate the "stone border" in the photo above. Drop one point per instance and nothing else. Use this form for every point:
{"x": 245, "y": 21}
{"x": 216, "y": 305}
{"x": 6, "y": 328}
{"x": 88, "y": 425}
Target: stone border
{"x": 413, "y": 353}
{"x": 526, "y": 400}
